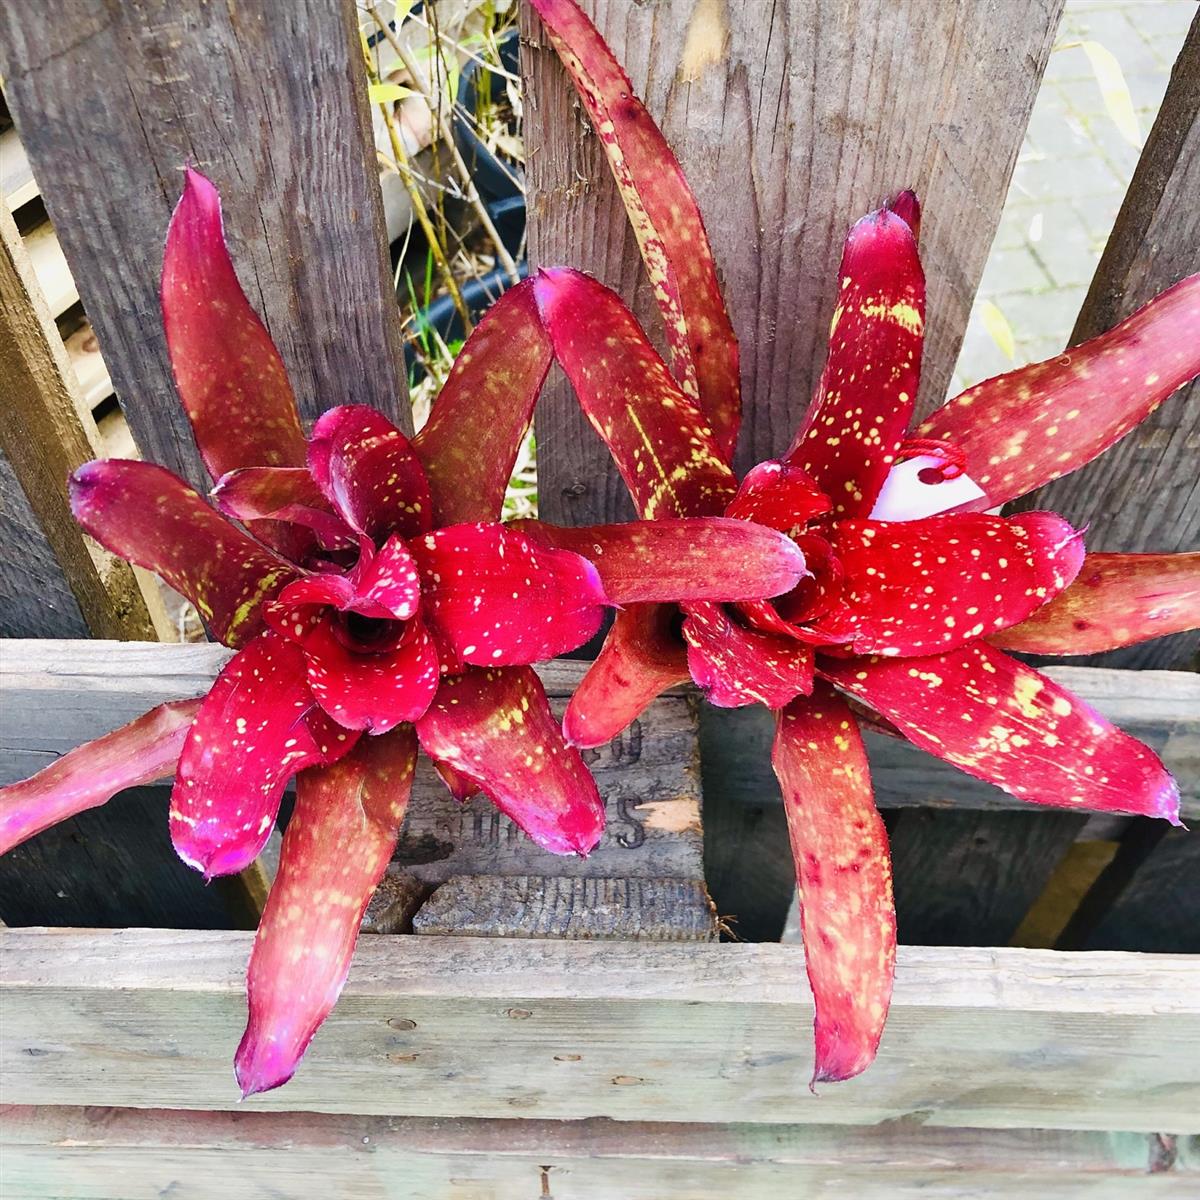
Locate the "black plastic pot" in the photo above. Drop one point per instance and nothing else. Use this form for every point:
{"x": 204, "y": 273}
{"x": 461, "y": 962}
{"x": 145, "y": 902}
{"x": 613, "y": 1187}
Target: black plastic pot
{"x": 496, "y": 178}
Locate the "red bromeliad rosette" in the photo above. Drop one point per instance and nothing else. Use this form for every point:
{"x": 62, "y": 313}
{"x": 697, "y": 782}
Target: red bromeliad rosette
{"x": 376, "y": 604}
{"x": 910, "y": 589}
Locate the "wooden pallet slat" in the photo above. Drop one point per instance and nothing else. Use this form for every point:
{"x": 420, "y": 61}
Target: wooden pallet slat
{"x": 192, "y": 1155}
{"x": 563, "y": 1030}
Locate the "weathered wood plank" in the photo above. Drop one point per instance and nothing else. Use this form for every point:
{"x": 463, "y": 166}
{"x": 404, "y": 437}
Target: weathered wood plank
{"x": 62, "y": 693}
{"x": 809, "y": 116}
{"x": 494, "y": 1027}
{"x": 44, "y": 438}
{"x": 270, "y": 101}
{"x": 130, "y": 1154}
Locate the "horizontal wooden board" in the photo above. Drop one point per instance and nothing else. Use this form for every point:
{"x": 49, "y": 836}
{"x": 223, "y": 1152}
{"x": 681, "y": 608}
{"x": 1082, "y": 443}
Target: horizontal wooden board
{"x": 61, "y": 693}
{"x": 128, "y": 1154}
{"x": 492, "y": 1027}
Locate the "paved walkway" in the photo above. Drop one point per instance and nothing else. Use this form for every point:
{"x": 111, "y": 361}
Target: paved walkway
{"x": 1070, "y": 179}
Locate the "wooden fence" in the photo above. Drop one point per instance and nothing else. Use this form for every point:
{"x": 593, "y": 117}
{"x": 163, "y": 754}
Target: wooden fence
{"x": 534, "y": 1063}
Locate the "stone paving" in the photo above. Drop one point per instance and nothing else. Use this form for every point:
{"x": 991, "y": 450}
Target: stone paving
{"x": 1070, "y": 179}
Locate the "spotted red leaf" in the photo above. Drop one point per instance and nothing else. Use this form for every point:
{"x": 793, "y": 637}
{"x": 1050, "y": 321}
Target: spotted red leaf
{"x": 843, "y": 875}
{"x": 256, "y": 728}
{"x": 642, "y": 655}
{"x": 92, "y": 774}
{"x": 368, "y": 471}
{"x": 469, "y": 445}
{"x": 337, "y": 846}
{"x": 1002, "y": 721}
{"x": 369, "y": 687}
{"x": 736, "y": 666}
{"x": 865, "y": 396}
{"x": 665, "y": 218}
{"x": 1024, "y": 429}
{"x": 1116, "y": 600}
{"x": 495, "y": 728}
{"x": 662, "y": 444}
{"x": 779, "y": 495}
{"x": 229, "y": 374}
{"x": 696, "y": 558}
{"x": 924, "y": 587}
{"x": 152, "y": 518}
{"x": 498, "y": 599}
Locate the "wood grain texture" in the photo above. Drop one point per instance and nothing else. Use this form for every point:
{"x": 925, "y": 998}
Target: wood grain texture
{"x": 493, "y": 1027}
{"x": 810, "y": 115}
{"x": 113, "y": 1154}
{"x": 43, "y": 439}
{"x": 1144, "y": 493}
{"x": 270, "y": 101}
{"x": 659, "y": 910}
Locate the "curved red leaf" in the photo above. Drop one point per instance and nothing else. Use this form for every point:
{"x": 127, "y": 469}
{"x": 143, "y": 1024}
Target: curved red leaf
{"x": 256, "y": 728}
{"x": 865, "y": 396}
{"x": 92, "y": 774}
{"x": 469, "y": 445}
{"x": 281, "y": 494}
{"x": 369, "y": 473}
{"x": 665, "y": 218}
{"x": 1002, "y": 721}
{"x": 499, "y": 599}
{"x": 664, "y": 447}
{"x": 150, "y": 517}
{"x": 736, "y": 666}
{"x": 1024, "y": 429}
{"x": 925, "y": 587}
{"x": 692, "y": 558}
{"x": 642, "y": 656}
{"x": 336, "y": 848}
{"x": 843, "y": 875}
{"x": 370, "y": 691}
{"x": 1116, "y": 600}
{"x": 779, "y": 495}
{"x": 228, "y": 372}
{"x": 495, "y": 728}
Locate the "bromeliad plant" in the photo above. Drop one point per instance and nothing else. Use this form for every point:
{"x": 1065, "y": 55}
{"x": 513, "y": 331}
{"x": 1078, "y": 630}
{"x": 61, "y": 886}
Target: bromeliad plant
{"x": 912, "y": 592}
{"x": 375, "y": 604}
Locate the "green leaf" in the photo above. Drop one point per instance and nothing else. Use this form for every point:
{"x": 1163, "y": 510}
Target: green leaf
{"x": 998, "y": 328}
{"x": 387, "y": 93}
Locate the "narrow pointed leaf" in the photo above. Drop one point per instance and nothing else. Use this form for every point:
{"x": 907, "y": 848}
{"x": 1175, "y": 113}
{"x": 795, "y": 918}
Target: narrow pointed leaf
{"x": 865, "y": 396}
{"x": 925, "y": 587}
{"x": 642, "y": 656}
{"x": 336, "y": 848}
{"x": 368, "y": 471}
{"x": 153, "y": 519}
{"x": 256, "y": 728}
{"x": 844, "y": 878}
{"x": 696, "y": 558}
{"x": 495, "y": 728}
{"x": 1002, "y": 721}
{"x": 662, "y": 444}
{"x": 736, "y": 666}
{"x": 1116, "y": 600}
{"x": 1024, "y": 429}
{"x": 497, "y": 598}
{"x": 92, "y": 774}
{"x": 469, "y": 445}
{"x": 781, "y": 496}
{"x": 228, "y": 372}
{"x": 665, "y": 218}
